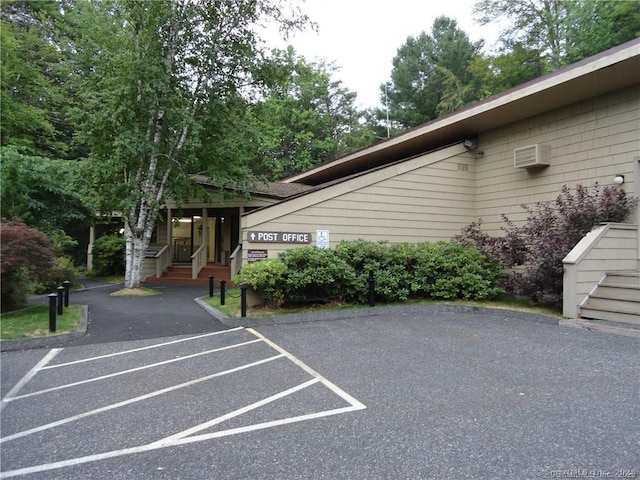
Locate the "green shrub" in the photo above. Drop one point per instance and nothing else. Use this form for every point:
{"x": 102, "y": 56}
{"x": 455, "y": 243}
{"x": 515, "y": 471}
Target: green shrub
{"x": 109, "y": 255}
{"x": 425, "y": 270}
{"x": 447, "y": 270}
{"x": 267, "y": 277}
{"x": 316, "y": 274}
{"x": 402, "y": 271}
{"x": 63, "y": 269}
{"x": 364, "y": 257}
{"x": 393, "y": 279}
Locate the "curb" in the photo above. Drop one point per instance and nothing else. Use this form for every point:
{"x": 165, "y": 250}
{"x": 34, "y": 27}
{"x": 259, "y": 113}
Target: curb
{"x": 50, "y": 340}
{"x": 355, "y": 313}
{"x": 217, "y": 314}
{"x": 602, "y": 326}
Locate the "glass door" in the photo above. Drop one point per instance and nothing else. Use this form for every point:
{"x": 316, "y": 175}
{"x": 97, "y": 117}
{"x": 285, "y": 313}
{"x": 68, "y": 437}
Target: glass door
{"x": 187, "y": 237}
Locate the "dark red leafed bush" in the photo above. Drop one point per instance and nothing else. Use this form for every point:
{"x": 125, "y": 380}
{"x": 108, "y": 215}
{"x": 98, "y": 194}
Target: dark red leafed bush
{"x": 548, "y": 235}
{"x": 26, "y": 256}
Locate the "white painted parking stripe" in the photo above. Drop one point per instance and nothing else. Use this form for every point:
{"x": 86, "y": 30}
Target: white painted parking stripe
{"x": 136, "y": 399}
{"x": 124, "y": 372}
{"x": 183, "y": 441}
{"x": 74, "y": 461}
{"x": 262, "y": 426}
{"x": 203, "y": 426}
{"x": 30, "y": 374}
{"x": 134, "y": 350}
{"x": 334, "y": 388}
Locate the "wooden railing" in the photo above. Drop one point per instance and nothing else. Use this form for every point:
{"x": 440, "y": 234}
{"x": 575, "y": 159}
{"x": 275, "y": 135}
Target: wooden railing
{"x": 163, "y": 260}
{"x": 607, "y": 248}
{"x": 236, "y": 260}
{"x": 157, "y": 260}
{"x": 198, "y": 260}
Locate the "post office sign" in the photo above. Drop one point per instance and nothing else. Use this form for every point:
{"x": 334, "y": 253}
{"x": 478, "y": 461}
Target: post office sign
{"x": 278, "y": 237}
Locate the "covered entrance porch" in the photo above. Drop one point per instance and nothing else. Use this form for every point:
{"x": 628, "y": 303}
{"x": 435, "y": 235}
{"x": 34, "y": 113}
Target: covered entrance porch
{"x": 193, "y": 243}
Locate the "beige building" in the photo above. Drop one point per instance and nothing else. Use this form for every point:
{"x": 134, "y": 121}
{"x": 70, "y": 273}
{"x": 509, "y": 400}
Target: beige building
{"x": 577, "y": 125}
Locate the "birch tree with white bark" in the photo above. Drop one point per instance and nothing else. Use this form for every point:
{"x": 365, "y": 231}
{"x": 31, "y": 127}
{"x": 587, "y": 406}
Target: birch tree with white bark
{"x": 148, "y": 73}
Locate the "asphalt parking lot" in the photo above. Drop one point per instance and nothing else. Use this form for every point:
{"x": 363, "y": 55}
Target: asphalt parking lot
{"x": 406, "y": 393}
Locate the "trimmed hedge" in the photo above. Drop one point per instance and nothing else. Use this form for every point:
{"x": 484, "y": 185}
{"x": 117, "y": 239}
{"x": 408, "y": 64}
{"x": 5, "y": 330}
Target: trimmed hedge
{"x": 439, "y": 270}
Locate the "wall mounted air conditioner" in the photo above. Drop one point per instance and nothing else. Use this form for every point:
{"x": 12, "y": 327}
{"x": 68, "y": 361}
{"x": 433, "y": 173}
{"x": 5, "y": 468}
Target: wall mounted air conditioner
{"x": 532, "y": 156}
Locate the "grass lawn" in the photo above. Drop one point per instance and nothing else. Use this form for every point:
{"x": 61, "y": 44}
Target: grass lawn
{"x": 231, "y": 308}
{"x": 34, "y": 322}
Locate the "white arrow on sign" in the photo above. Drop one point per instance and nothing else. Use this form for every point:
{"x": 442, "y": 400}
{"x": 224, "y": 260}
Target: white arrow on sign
{"x": 253, "y": 236}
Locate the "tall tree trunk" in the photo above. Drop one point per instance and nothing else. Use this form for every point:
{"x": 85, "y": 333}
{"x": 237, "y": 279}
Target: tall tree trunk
{"x": 137, "y": 243}
{"x": 140, "y": 222}
{"x": 136, "y": 247}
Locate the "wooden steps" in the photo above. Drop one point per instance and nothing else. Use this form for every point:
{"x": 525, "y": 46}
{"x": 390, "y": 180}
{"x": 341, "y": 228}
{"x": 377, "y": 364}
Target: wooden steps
{"x": 181, "y": 275}
{"x": 616, "y": 299}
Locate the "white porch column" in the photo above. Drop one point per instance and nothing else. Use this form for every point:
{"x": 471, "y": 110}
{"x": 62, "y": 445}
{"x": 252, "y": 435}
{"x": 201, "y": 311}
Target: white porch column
{"x": 92, "y": 240}
{"x": 170, "y": 232}
{"x": 205, "y": 232}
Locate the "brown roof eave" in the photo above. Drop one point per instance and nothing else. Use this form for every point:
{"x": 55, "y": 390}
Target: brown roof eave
{"x": 609, "y": 71}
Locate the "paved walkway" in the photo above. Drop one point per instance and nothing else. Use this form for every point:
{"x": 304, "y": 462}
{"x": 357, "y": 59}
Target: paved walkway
{"x": 116, "y": 319}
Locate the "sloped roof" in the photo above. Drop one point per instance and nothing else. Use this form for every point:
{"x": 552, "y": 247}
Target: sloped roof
{"x": 608, "y": 71}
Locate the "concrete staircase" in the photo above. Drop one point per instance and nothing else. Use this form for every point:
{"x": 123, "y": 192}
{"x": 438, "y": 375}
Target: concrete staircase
{"x": 181, "y": 275}
{"x": 616, "y": 299}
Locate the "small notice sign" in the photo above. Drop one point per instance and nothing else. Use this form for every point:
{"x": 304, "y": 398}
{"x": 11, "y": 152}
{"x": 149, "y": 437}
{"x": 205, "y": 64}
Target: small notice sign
{"x": 322, "y": 238}
{"x": 256, "y": 255}
{"x": 278, "y": 237}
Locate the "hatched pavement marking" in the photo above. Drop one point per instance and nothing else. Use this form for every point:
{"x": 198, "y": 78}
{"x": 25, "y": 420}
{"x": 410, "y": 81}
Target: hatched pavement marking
{"x": 185, "y": 436}
{"x": 130, "y": 370}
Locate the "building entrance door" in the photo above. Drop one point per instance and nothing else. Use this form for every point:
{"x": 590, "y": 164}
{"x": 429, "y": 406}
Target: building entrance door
{"x": 187, "y": 237}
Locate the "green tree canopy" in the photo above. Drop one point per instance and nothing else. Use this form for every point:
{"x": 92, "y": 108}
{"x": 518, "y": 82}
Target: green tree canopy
{"x": 594, "y": 26}
{"x": 43, "y": 193}
{"x": 430, "y": 76}
{"x": 507, "y": 69}
{"x": 562, "y": 31}
{"x": 33, "y": 93}
{"x": 305, "y": 118}
{"x": 150, "y": 74}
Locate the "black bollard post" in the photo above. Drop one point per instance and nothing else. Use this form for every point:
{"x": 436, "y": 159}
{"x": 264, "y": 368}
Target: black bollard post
{"x": 211, "y": 279}
{"x": 53, "y": 299}
{"x": 67, "y": 285}
{"x": 60, "y": 299}
{"x": 223, "y": 289}
{"x": 243, "y": 301}
{"x": 372, "y": 290}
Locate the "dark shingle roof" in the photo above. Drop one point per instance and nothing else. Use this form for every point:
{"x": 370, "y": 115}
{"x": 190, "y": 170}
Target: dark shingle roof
{"x": 269, "y": 189}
